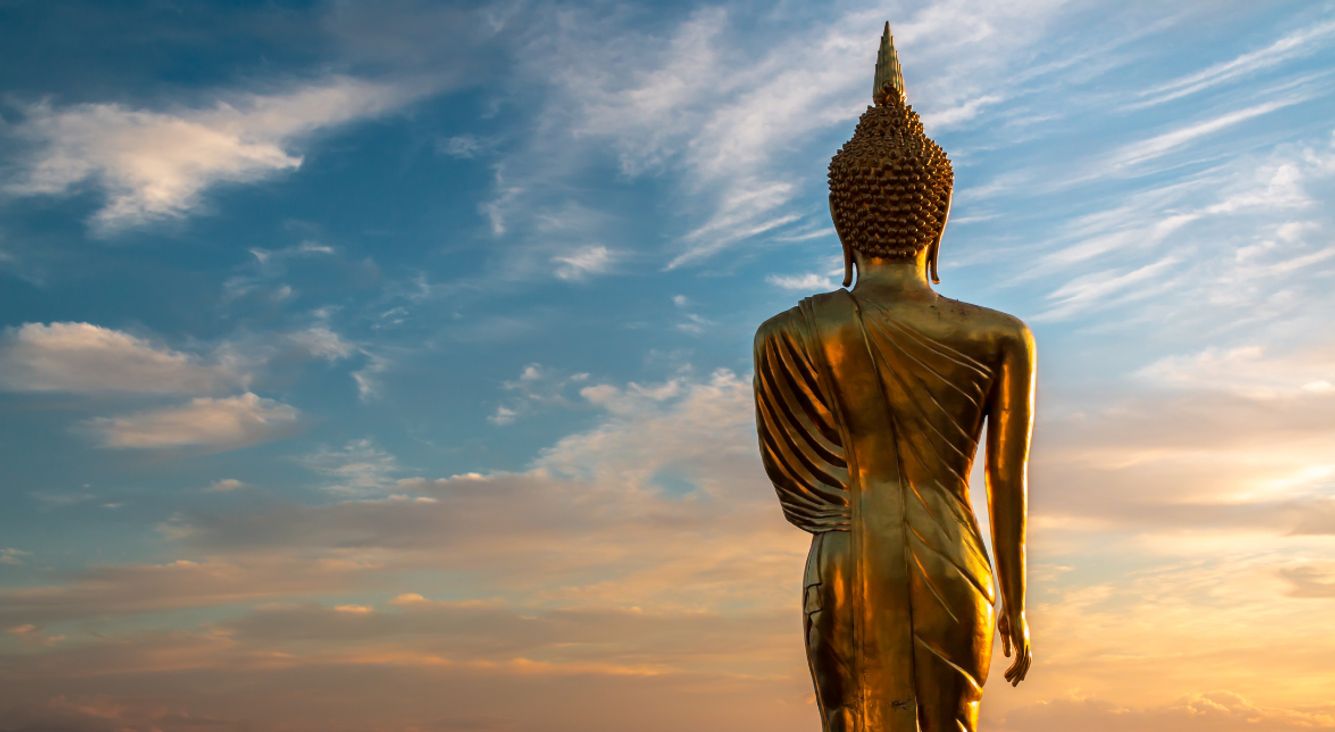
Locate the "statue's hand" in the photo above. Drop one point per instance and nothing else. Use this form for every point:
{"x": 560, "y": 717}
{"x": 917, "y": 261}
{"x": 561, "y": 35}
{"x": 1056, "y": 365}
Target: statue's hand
{"x": 1015, "y": 633}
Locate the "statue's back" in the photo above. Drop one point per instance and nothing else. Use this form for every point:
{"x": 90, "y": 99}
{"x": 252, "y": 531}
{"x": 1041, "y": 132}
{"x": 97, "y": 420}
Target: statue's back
{"x": 968, "y": 340}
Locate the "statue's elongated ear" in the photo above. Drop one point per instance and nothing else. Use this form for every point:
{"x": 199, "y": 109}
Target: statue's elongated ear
{"x": 848, "y": 251}
{"x": 935, "y": 250}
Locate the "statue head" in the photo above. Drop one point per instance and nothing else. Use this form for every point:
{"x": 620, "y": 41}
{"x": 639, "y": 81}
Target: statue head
{"x": 890, "y": 185}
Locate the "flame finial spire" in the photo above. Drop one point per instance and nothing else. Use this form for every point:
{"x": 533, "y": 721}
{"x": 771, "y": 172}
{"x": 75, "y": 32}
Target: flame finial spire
{"x": 888, "y": 70}
{"x": 890, "y": 185}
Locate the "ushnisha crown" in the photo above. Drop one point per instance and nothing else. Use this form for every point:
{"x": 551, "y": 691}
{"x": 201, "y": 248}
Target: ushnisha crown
{"x": 890, "y": 184}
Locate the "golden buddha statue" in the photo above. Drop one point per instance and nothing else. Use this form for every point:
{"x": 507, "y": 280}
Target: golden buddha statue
{"x": 870, "y": 404}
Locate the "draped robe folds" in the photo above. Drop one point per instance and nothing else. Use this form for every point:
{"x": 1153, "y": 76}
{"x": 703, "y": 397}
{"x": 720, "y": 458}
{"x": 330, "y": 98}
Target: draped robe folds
{"x": 868, "y": 429}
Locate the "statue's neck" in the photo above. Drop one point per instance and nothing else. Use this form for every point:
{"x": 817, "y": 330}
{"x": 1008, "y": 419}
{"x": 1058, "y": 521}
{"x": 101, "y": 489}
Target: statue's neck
{"x": 900, "y": 278}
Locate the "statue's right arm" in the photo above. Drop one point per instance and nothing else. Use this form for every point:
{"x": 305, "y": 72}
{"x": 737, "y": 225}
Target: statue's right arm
{"x": 1010, "y": 418}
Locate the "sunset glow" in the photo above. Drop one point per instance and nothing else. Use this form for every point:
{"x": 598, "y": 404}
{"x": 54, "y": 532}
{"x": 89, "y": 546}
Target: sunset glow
{"x": 387, "y": 366}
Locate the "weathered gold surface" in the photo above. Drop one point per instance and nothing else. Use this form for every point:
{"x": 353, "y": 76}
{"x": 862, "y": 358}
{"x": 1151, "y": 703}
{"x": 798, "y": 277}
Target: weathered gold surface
{"x": 870, "y": 405}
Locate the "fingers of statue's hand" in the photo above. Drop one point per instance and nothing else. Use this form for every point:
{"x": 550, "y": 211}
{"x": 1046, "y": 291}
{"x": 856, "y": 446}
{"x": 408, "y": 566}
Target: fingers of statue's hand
{"x": 1020, "y": 667}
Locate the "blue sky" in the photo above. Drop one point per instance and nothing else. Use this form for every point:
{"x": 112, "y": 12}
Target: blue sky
{"x": 414, "y": 325}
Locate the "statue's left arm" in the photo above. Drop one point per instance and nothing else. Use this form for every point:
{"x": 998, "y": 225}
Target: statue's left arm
{"x": 1010, "y": 417}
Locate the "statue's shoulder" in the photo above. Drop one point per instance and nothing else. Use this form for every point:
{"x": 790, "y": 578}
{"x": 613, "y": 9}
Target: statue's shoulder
{"x": 999, "y": 326}
{"x": 794, "y": 319}
{"x": 779, "y": 323}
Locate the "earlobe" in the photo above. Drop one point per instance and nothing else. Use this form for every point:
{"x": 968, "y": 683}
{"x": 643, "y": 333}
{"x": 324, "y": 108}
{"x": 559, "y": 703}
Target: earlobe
{"x": 848, "y": 252}
{"x": 848, "y": 265}
{"x": 935, "y": 251}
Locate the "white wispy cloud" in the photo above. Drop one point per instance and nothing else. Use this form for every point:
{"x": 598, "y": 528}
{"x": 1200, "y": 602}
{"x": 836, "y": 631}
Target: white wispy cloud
{"x": 1228, "y": 236}
{"x": 368, "y": 376}
{"x": 155, "y": 164}
{"x": 225, "y": 485}
{"x": 91, "y": 359}
{"x": 262, "y": 275}
{"x": 1247, "y": 370}
{"x": 220, "y": 423}
{"x": 966, "y": 110}
{"x": 1287, "y": 48}
{"x": 536, "y": 387}
{"x": 691, "y": 322}
{"x": 1142, "y": 151}
{"x": 1107, "y": 288}
{"x": 808, "y": 282}
{"x": 358, "y": 468}
{"x": 12, "y": 556}
{"x": 304, "y": 249}
{"x": 465, "y": 146}
{"x": 584, "y": 262}
{"x": 322, "y": 342}
{"x": 63, "y": 498}
{"x": 503, "y": 415}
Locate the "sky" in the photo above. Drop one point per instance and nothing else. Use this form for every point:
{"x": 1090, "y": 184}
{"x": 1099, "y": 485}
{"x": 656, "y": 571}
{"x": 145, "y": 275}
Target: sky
{"x": 387, "y": 366}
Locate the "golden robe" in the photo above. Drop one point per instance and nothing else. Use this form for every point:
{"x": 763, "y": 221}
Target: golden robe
{"x": 868, "y": 428}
